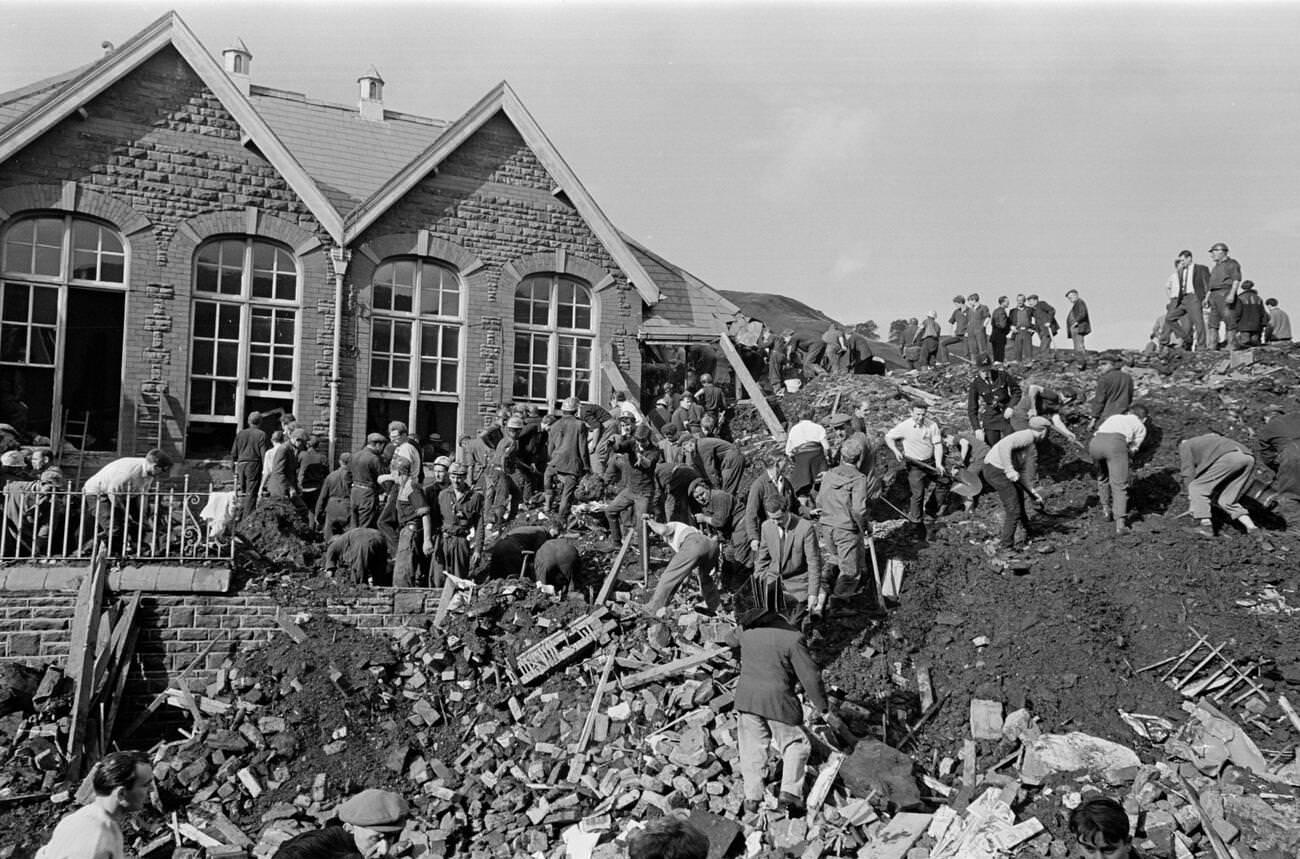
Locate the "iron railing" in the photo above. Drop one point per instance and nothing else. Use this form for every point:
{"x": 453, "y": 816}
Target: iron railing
{"x": 162, "y": 524}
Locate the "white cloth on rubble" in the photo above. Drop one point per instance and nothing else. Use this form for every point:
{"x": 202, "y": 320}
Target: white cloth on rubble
{"x": 219, "y": 512}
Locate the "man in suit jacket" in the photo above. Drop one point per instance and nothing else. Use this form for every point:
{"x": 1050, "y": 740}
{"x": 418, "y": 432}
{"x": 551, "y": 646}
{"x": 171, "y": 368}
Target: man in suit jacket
{"x": 788, "y": 551}
{"x": 771, "y": 482}
{"x": 1077, "y": 323}
{"x": 1192, "y": 286}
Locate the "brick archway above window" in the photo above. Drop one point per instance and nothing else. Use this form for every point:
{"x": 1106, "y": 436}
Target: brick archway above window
{"x": 250, "y": 222}
{"x": 371, "y": 253}
{"x": 72, "y": 197}
{"x": 557, "y": 262}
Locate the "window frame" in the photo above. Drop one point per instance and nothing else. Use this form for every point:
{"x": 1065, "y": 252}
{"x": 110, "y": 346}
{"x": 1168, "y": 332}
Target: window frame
{"x": 246, "y": 302}
{"x": 554, "y": 331}
{"x": 64, "y": 282}
{"x": 417, "y": 321}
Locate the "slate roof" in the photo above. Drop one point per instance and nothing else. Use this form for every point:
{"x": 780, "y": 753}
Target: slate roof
{"x": 15, "y": 103}
{"x": 350, "y": 158}
{"x": 685, "y": 301}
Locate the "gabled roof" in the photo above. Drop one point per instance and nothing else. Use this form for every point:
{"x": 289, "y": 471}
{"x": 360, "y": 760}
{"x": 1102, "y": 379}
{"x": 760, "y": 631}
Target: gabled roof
{"x": 325, "y": 138}
{"x": 42, "y": 114}
{"x": 686, "y": 303}
{"x": 502, "y": 99}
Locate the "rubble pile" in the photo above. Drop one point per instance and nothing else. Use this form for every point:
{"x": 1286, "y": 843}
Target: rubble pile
{"x": 986, "y": 704}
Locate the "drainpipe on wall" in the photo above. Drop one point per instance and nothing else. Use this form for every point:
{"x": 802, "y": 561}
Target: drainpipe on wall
{"x": 339, "y": 258}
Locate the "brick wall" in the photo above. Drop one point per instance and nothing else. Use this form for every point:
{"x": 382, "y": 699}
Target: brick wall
{"x": 160, "y": 158}
{"x": 157, "y": 156}
{"x": 491, "y": 201}
{"x": 35, "y": 628}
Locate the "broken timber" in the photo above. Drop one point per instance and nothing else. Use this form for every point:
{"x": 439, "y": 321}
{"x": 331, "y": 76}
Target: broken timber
{"x": 668, "y": 669}
{"x": 751, "y": 387}
{"x": 618, "y": 565}
{"x": 81, "y": 659}
{"x": 562, "y": 645}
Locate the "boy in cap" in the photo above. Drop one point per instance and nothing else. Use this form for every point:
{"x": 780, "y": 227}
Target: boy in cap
{"x": 461, "y": 510}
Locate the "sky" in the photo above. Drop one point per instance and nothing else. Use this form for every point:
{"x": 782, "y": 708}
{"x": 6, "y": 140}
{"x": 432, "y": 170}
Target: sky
{"x": 872, "y": 160}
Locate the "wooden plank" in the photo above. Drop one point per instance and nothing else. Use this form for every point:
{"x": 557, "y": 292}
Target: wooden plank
{"x": 613, "y": 571}
{"x": 616, "y": 378}
{"x": 825, "y": 780}
{"x": 670, "y": 669}
{"x": 751, "y": 387}
{"x": 585, "y": 737}
{"x": 897, "y": 837}
{"x": 81, "y": 659}
{"x": 112, "y": 655}
{"x": 121, "y": 671}
{"x": 923, "y": 687}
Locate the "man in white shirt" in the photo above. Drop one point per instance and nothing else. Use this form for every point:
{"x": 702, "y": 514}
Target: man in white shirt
{"x": 918, "y": 444}
{"x": 1003, "y": 471}
{"x": 404, "y": 448}
{"x": 692, "y": 551}
{"x": 121, "y": 782}
{"x": 807, "y": 446}
{"x": 1278, "y": 329}
{"x": 114, "y": 494}
{"x": 1116, "y": 440}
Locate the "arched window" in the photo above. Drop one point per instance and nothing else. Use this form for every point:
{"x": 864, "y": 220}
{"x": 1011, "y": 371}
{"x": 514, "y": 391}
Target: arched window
{"x": 244, "y": 342}
{"x": 415, "y": 346}
{"x": 62, "y": 308}
{"x": 554, "y": 333}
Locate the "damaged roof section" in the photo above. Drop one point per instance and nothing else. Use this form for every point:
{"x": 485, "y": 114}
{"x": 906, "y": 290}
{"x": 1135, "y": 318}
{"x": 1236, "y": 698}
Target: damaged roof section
{"x": 687, "y": 307}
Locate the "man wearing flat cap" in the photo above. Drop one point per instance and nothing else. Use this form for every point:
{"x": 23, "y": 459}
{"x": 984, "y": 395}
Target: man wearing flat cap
{"x": 372, "y": 821}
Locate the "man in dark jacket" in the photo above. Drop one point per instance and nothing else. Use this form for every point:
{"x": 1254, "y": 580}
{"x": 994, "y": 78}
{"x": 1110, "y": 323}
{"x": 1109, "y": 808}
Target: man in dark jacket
{"x": 1020, "y": 320}
{"x": 1077, "y": 323}
{"x": 461, "y": 511}
{"x": 989, "y": 399}
{"x": 999, "y": 330}
{"x": 1114, "y": 392}
{"x": 631, "y": 468}
{"x": 366, "y": 467}
{"x": 251, "y": 444}
{"x": 333, "y": 506}
{"x": 712, "y": 399}
{"x": 773, "y": 658}
{"x": 721, "y": 462}
{"x": 1045, "y": 324}
{"x": 1225, "y": 279}
{"x": 771, "y": 482}
{"x": 717, "y": 513}
{"x": 1248, "y": 317}
{"x": 1187, "y": 289}
{"x": 788, "y": 552}
{"x": 568, "y": 457}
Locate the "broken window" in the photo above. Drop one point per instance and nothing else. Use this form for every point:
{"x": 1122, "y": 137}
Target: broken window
{"x": 62, "y": 275}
